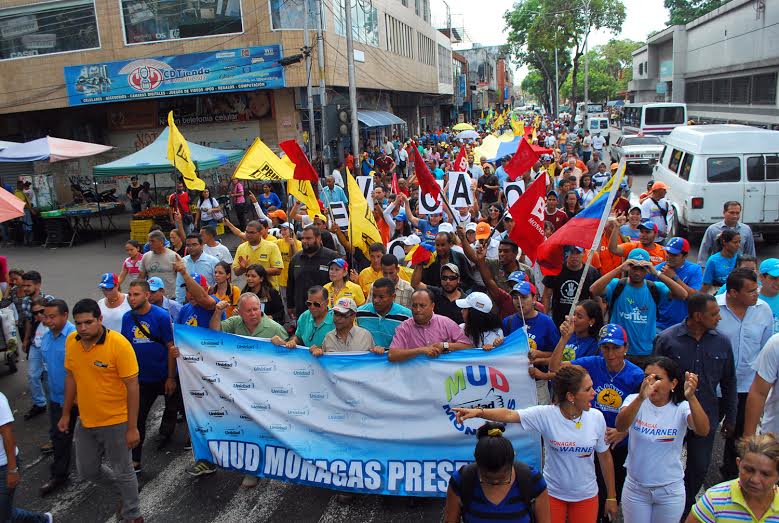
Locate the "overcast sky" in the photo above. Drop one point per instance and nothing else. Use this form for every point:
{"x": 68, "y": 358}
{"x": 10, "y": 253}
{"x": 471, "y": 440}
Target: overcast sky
{"x": 643, "y": 17}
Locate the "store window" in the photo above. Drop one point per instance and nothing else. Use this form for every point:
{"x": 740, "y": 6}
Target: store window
{"x": 51, "y": 27}
{"x": 156, "y": 20}
{"x": 288, "y": 14}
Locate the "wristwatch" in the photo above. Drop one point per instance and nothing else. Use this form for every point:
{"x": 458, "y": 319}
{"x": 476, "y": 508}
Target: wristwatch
{"x": 446, "y": 346}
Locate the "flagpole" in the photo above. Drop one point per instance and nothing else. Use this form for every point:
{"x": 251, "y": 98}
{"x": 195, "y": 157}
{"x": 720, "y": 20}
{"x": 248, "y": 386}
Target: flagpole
{"x": 615, "y": 182}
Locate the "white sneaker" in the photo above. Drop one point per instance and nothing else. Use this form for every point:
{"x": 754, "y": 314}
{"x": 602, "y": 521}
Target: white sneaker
{"x": 249, "y": 481}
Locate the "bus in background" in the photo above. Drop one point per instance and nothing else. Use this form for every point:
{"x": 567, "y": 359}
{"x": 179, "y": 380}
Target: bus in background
{"x": 657, "y": 119}
{"x": 589, "y": 110}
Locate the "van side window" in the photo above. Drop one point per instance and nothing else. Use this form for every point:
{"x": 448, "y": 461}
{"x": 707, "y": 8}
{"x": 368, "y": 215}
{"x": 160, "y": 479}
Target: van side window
{"x": 676, "y": 158}
{"x": 684, "y": 172}
{"x": 755, "y": 169}
{"x": 722, "y": 170}
{"x": 772, "y": 168}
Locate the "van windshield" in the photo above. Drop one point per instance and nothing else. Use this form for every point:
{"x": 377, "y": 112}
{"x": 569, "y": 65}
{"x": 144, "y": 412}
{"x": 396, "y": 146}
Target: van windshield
{"x": 642, "y": 140}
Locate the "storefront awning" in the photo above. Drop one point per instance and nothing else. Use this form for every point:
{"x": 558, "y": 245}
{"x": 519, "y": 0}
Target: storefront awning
{"x": 378, "y": 118}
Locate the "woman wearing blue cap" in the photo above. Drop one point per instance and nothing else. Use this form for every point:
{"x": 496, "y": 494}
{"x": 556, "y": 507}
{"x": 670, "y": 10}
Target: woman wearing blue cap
{"x": 613, "y": 379}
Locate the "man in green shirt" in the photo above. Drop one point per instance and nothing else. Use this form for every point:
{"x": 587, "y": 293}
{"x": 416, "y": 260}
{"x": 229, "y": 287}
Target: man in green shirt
{"x": 250, "y": 320}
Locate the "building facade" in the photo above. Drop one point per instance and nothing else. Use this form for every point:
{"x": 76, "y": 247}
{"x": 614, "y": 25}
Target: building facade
{"x": 724, "y": 65}
{"x": 109, "y": 71}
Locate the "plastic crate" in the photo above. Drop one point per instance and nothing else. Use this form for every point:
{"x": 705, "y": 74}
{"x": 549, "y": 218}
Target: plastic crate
{"x": 141, "y": 226}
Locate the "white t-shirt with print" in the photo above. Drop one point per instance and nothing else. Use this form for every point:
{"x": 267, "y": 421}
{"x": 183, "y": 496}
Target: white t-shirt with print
{"x": 569, "y": 452}
{"x": 6, "y": 417}
{"x": 767, "y": 367}
{"x": 655, "y": 441}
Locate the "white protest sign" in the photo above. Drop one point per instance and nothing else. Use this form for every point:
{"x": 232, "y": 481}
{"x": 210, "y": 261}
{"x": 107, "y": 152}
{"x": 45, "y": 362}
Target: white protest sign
{"x": 339, "y": 214}
{"x": 460, "y": 193}
{"x": 366, "y": 186}
{"x": 396, "y": 247}
{"x": 513, "y": 190}
{"x": 430, "y": 205}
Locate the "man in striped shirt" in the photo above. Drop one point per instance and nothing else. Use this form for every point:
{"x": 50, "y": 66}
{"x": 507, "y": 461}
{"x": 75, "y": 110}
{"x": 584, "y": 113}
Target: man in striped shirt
{"x": 382, "y": 316}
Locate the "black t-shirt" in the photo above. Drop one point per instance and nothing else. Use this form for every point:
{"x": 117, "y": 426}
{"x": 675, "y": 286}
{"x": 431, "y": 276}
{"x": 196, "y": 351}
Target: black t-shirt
{"x": 490, "y": 195}
{"x": 444, "y": 307}
{"x": 134, "y": 192}
{"x": 564, "y": 287}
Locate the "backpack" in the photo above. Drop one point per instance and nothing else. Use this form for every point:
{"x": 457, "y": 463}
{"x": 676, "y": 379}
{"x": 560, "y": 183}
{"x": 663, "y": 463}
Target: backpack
{"x": 469, "y": 475}
{"x": 653, "y": 291}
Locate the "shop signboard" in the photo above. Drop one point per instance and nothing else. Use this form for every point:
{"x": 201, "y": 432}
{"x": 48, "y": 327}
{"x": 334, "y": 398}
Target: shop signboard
{"x": 246, "y": 69}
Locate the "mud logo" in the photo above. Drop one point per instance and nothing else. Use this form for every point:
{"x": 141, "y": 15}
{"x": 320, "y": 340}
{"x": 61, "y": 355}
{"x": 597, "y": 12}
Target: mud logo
{"x": 473, "y": 387}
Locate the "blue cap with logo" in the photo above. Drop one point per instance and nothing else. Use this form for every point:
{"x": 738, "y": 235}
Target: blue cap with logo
{"x": 155, "y": 284}
{"x": 648, "y": 224}
{"x": 612, "y": 333}
{"x": 639, "y": 255}
{"x": 525, "y": 288}
{"x": 108, "y": 280}
{"x": 677, "y": 246}
{"x": 770, "y": 266}
{"x": 517, "y": 276}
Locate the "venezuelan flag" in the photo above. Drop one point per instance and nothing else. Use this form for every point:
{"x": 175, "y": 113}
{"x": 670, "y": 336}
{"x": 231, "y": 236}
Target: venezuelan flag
{"x": 579, "y": 230}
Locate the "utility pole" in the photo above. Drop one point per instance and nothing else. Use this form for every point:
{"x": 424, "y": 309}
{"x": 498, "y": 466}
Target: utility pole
{"x": 309, "y": 92}
{"x": 322, "y": 90}
{"x": 586, "y": 57}
{"x": 556, "y": 85}
{"x": 352, "y": 84}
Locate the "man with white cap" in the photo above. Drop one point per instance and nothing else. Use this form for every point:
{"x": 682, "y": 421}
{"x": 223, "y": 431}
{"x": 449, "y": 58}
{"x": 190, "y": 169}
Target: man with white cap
{"x": 346, "y": 337}
{"x": 656, "y": 208}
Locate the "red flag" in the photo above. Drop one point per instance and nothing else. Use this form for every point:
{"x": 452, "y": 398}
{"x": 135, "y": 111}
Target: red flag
{"x": 528, "y": 214}
{"x": 422, "y": 253}
{"x": 529, "y": 129}
{"x": 395, "y": 186}
{"x": 303, "y": 168}
{"x": 522, "y": 160}
{"x": 424, "y": 176}
{"x": 461, "y": 163}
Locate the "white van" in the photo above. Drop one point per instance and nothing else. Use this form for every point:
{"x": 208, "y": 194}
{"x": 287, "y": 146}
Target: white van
{"x": 706, "y": 165}
{"x": 598, "y": 125}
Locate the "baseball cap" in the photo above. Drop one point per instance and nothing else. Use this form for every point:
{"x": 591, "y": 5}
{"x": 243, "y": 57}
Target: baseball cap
{"x": 319, "y": 216}
{"x": 614, "y": 166}
{"x": 525, "y": 288}
{"x": 483, "y": 230}
{"x": 108, "y": 280}
{"x": 612, "y": 333}
{"x": 634, "y": 208}
{"x": 345, "y": 306}
{"x": 552, "y": 193}
{"x": 577, "y": 248}
{"x": 476, "y": 300}
{"x": 657, "y": 186}
{"x": 517, "y": 276}
{"x": 638, "y": 254}
{"x": 411, "y": 240}
{"x": 340, "y": 262}
{"x": 677, "y": 246}
{"x": 199, "y": 279}
{"x": 278, "y": 214}
{"x": 470, "y": 227}
{"x": 648, "y": 224}
{"x": 288, "y": 225}
{"x": 446, "y": 227}
{"x": 452, "y": 267}
{"x": 155, "y": 284}
{"x": 770, "y": 266}
{"x": 401, "y": 217}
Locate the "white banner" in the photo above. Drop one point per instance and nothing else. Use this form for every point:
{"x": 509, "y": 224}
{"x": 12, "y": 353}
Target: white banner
{"x": 352, "y": 422}
{"x": 430, "y": 205}
{"x": 366, "y": 186}
{"x": 460, "y": 192}
{"x": 513, "y": 191}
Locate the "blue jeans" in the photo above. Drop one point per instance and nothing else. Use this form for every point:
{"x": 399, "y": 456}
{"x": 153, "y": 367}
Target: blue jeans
{"x": 35, "y": 370}
{"x": 7, "y": 510}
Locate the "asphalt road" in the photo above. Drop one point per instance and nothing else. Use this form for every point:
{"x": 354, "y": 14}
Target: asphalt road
{"x": 168, "y": 493}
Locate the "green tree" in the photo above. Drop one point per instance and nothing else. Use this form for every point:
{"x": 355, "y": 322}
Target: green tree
{"x": 685, "y": 11}
{"x": 535, "y": 86}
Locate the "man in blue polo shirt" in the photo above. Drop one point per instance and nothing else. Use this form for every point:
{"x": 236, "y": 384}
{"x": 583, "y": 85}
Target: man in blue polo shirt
{"x": 687, "y": 274}
{"x": 313, "y": 324}
{"x": 382, "y": 316}
{"x": 53, "y": 352}
{"x": 149, "y": 330}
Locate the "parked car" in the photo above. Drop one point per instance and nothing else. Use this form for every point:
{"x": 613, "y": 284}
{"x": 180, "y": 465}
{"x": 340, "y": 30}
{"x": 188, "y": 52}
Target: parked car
{"x": 637, "y": 149}
{"x": 707, "y": 165}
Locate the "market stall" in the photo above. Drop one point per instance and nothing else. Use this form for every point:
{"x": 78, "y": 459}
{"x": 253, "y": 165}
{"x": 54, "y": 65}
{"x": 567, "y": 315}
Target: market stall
{"x": 153, "y": 159}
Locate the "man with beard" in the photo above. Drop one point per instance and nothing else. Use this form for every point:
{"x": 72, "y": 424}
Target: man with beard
{"x": 560, "y": 290}
{"x": 431, "y": 275}
{"x": 307, "y": 268}
{"x": 149, "y": 330}
{"x": 447, "y": 294}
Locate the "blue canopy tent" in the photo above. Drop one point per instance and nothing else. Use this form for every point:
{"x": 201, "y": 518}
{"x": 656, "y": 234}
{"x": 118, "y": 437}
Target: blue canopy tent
{"x": 153, "y": 159}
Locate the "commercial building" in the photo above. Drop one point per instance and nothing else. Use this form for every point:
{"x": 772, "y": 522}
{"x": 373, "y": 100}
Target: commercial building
{"x": 85, "y": 70}
{"x": 724, "y": 65}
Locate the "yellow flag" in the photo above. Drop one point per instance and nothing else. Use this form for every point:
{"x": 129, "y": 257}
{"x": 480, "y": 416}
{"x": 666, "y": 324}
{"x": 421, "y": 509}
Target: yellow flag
{"x": 518, "y": 128}
{"x": 181, "y": 158}
{"x": 362, "y": 224}
{"x": 499, "y": 121}
{"x": 260, "y": 163}
{"x": 304, "y": 192}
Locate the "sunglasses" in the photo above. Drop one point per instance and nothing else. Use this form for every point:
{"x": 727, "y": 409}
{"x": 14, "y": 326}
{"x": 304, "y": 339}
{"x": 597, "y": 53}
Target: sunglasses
{"x": 342, "y": 314}
{"x": 450, "y": 278}
{"x": 36, "y": 312}
{"x": 313, "y": 304}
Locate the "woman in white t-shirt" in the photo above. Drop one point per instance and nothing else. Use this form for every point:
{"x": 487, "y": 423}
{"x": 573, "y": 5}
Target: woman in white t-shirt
{"x": 572, "y": 433}
{"x": 654, "y": 488}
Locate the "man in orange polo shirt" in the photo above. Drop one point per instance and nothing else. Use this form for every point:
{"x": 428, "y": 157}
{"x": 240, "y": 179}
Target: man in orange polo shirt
{"x": 101, "y": 368}
{"x": 647, "y": 232}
